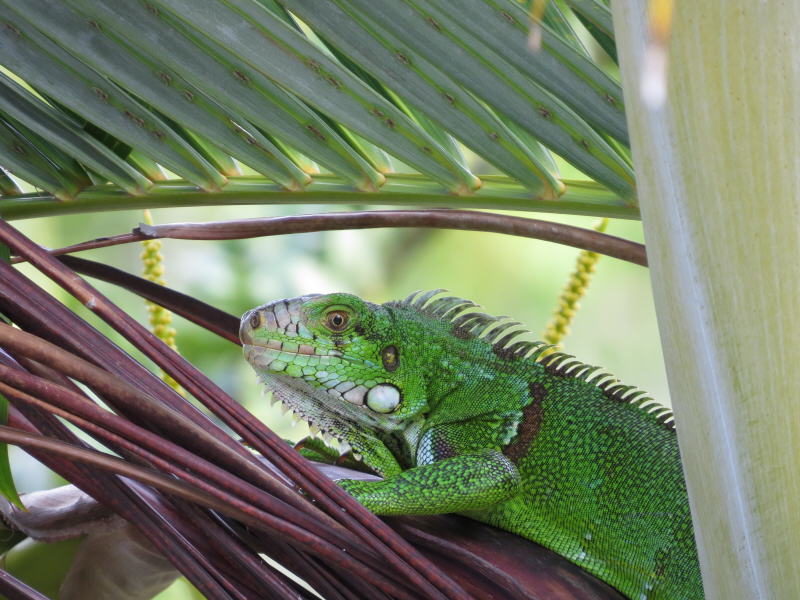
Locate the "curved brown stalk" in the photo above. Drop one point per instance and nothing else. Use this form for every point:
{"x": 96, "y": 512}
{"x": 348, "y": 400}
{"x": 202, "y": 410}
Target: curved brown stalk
{"x": 21, "y": 386}
{"x": 209, "y": 317}
{"x": 407, "y": 564}
{"x": 137, "y": 404}
{"x": 166, "y": 483}
{"x": 465, "y": 220}
{"x": 174, "y": 487}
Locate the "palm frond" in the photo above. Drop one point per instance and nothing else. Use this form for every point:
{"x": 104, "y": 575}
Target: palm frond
{"x": 111, "y": 105}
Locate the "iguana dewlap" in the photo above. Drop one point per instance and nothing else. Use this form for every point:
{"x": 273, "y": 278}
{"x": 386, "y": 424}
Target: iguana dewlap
{"x": 459, "y": 416}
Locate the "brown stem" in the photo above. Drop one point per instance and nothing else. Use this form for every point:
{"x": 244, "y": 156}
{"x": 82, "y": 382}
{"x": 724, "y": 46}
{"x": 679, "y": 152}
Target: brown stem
{"x": 137, "y": 404}
{"x": 116, "y": 430}
{"x": 174, "y": 487}
{"x": 465, "y": 220}
{"x": 209, "y": 317}
{"x": 406, "y": 563}
{"x": 110, "y": 428}
{"x": 118, "y": 466}
{"x": 167, "y": 533}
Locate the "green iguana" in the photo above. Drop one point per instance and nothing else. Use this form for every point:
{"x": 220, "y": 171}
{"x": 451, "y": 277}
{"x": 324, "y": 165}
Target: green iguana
{"x": 458, "y": 416}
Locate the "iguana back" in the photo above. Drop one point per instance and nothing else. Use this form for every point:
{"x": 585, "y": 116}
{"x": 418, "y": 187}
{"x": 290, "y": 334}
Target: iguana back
{"x": 459, "y": 416}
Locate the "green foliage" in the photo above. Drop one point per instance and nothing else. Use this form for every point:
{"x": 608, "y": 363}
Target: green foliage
{"x": 44, "y": 565}
{"x": 7, "y": 487}
{"x": 341, "y": 98}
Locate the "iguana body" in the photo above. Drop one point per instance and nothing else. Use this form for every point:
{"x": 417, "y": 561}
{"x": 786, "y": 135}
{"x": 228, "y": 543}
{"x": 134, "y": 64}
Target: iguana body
{"x": 458, "y": 417}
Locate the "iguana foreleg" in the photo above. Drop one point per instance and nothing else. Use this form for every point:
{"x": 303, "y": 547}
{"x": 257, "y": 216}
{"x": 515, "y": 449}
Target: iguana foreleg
{"x": 457, "y": 484}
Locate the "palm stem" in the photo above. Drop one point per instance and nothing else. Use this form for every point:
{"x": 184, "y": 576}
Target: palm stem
{"x": 498, "y": 193}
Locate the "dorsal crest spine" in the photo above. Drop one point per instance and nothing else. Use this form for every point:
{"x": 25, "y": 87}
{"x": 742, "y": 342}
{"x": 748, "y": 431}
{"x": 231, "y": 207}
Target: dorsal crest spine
{"x": 458, "y": 312}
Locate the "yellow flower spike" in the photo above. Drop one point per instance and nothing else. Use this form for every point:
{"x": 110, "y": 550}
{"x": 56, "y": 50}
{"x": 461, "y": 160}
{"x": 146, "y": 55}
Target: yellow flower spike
{"x": 558, "y": 326}
{"x": 160, "y": 317}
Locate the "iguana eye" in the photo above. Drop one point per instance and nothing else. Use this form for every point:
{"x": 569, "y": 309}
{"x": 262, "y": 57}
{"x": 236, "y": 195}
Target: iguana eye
{"x": 337, "y": 320}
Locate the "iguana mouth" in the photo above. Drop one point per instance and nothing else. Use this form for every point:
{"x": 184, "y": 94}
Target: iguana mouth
{"x": 292, "y": 348}
{"x": 277, "y": 356}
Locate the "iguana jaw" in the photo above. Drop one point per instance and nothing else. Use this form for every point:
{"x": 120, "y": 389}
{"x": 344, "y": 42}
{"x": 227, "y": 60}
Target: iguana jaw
{"x": 320, "y": 369}
{"x": 324, "y": 410}
{"x": 306, "y": 403}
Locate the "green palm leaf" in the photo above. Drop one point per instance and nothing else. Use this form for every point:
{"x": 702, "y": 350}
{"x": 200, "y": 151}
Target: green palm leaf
{"x": 337, "y": 102}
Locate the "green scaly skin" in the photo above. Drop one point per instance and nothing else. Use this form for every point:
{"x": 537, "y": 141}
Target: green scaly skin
{"x": 457, "y": 416}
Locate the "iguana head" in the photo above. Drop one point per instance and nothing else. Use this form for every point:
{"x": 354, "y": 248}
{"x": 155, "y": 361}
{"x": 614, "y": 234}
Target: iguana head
{"x": 336, "y": 361}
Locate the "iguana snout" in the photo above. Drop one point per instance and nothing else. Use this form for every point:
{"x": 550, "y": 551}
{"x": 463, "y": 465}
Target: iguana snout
{"x": 280, "y": 316}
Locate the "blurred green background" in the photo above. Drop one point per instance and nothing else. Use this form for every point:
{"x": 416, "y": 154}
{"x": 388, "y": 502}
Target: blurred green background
{"x": 521, "y": 278}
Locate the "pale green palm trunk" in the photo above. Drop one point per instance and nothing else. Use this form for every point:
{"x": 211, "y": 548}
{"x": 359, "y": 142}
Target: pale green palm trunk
{"x": 718, "y": 171}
